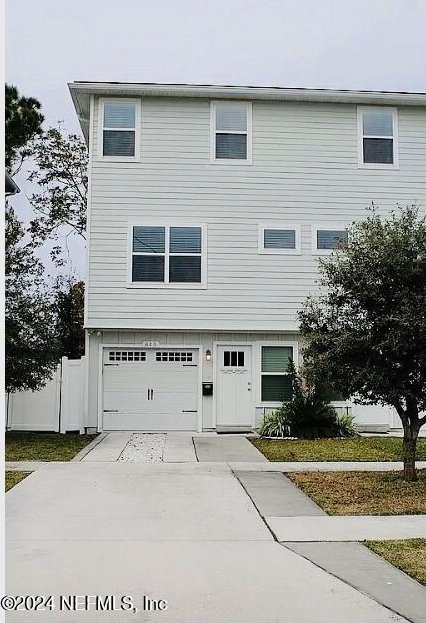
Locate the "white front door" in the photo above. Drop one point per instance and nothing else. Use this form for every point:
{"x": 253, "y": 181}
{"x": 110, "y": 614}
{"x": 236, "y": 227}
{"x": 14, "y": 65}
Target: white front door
{"x": 234, "y": 403}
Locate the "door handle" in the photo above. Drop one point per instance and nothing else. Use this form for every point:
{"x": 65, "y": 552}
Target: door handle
{"x": 152, "y": 394}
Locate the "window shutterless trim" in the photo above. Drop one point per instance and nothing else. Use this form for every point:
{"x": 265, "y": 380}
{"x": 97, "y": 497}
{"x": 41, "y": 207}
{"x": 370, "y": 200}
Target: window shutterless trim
{"x": 137, "y": 128}
{"x": 326, "y": 227}
{"x": 280, "y": 226}
{"x": 165, "y": 284}
{"x": 288, "y": 344}
{"x": 248, "y": 133}
{"x": 361, "y": 136}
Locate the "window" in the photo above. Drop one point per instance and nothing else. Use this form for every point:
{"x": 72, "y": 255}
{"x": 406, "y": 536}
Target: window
{"x": 119, "y": 128}
{"x": 173, "y": 356}
{"x": 325, "y": 240}
{"x": 279, "y": 239}
{"x": 163, "y": 254}
{"x": 231, "y": 132}
{"x": 233, "y": 359}
{"x": 127, "y": 355}
{"x": 276, "y": 381}
{"x": 377, "y": 129}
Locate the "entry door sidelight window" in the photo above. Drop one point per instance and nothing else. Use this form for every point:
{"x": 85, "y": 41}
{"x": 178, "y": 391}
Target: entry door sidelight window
{"x": 275, "y": 379}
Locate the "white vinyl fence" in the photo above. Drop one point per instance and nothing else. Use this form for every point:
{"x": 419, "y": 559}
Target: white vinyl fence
{"x": 58, "y": 407}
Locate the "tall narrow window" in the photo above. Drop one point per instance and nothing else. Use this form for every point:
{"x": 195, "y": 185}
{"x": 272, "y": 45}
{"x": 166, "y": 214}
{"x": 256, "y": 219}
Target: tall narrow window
{"x": 275, "y": 379}
{"x": 119, "y": 128}
{"x": 377, "y": 129}
{"x": 167, "y": 254}
{"x": 231, "y": 131}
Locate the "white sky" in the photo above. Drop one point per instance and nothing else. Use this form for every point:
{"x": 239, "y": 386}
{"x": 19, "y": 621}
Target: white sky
{"x": 358, "y": 44}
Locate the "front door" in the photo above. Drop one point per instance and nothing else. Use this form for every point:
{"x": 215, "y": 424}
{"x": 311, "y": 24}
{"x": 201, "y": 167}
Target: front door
{"x": 234, "y": 404}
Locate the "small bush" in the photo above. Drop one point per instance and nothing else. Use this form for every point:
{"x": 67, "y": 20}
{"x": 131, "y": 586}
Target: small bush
{"x": 346, "y": 426}
{"x": 274, "y": 425}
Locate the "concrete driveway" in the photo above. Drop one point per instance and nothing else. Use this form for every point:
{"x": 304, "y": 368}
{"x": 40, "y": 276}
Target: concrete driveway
{"x": 186, "y": 533}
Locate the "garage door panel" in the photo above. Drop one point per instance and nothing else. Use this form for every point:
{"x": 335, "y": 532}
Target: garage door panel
{"x": 157, "y": 390}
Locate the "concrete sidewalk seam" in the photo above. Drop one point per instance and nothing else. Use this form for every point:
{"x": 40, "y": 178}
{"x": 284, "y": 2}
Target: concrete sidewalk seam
{"x": 257, "y": 510}
{"x": 87, "y": 449}
{"x": 360, "y": 590}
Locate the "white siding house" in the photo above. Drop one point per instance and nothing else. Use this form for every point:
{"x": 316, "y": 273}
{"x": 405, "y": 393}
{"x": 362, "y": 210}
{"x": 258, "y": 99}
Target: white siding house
{"x": 208, "y": 210}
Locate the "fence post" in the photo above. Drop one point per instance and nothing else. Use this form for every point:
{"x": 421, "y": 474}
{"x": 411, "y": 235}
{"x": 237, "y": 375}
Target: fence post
{"x": 64, "y": 397}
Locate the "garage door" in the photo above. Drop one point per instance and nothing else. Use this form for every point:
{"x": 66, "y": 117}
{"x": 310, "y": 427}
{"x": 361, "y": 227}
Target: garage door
{"x": 150, "y": 389}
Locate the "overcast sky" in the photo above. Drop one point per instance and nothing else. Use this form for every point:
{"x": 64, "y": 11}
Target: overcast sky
{"x": 351, "y": 44}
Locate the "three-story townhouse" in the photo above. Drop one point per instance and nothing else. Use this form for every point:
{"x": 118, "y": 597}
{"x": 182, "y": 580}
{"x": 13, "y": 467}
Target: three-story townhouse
{"x": 208, "y": 210}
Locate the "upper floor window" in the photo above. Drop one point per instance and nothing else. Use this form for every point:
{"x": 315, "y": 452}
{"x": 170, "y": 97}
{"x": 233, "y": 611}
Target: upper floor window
{"x": 377, "y": 128}
{"x": 279, "y": 239}
{"x": 231, "y": 132}
{"x": 167, "y": 255}
{"x": 120, "y": 121}
{"x": 327, "y": 239}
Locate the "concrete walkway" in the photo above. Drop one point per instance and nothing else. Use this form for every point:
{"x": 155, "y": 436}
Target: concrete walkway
{"x": 348, "y": 528}
{"x": 202, "y": 530}
{"x": 187, "y": 533}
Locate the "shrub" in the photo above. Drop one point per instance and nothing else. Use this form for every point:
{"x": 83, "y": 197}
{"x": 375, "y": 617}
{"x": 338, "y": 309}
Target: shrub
{"x": 274, "y": 425}
{"x": 346, "y": 426}
{"x": 308, "y": 413}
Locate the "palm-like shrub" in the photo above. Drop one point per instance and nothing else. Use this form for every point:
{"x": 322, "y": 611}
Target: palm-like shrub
{"x": 274, "y": 425}
{"x": 346, "y": 426}
{"x": 308, "y": 413}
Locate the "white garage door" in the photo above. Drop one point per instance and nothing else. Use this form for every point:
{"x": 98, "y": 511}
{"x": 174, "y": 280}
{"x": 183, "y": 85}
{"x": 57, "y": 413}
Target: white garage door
{"x": 146, "y": 389}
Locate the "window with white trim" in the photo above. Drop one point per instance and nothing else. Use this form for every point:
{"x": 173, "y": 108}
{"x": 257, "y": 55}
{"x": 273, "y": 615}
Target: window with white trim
{"x": 231, "y": 131}
{"x": 279, "y": 239}
{"x": 327, "y": 239}
{"x": 275, "y": 379}
{"x": 119, "y": 119}
{"x": 377, "y": 128}
{"x": 166, "y": 254}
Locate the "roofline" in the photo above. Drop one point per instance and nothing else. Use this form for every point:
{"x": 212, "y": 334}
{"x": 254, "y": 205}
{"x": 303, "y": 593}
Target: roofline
{"x": 81, "y": 92}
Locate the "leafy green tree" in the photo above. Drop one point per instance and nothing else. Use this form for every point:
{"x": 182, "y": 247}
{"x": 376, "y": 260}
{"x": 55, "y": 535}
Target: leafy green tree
{"x": 365, "y": 333}
{"x": 31, "y": 351}
{"x": 70, "y": 317}
{"x": 23, "y": 121}
{"x": 61, "y": 175}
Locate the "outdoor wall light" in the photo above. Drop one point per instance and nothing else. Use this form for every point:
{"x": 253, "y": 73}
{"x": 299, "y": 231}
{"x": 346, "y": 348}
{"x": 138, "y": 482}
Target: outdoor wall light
{"x": 208, "y": 355}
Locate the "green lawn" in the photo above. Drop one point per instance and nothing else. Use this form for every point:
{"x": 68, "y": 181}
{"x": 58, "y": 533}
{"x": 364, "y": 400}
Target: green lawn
{"x": 356, "y": 449}
{"x": 408, "y": 555}
{"x": 12, "y": 478}
{"x": 23, "y": 446}
{"x": 364, "y": 493}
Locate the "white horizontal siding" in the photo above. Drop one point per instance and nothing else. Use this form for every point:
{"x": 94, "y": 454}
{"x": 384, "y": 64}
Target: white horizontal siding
{"x": 305, "y": 171}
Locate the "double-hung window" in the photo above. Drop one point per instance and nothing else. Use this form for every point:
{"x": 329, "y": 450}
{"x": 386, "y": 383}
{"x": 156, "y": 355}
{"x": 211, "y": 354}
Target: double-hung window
{"x": 231, "y": 132}
{"x": 279, "y": 239}
{"x": 120, "y": 128}
{"x": 167, "y": 255}
{"x": 275, "y": 379}
{"x": 377, "y": 137}
{"x": 326, "y": 239}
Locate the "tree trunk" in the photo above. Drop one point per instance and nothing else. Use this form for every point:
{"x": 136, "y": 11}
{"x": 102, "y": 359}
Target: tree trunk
{"x": 411, "y": 432}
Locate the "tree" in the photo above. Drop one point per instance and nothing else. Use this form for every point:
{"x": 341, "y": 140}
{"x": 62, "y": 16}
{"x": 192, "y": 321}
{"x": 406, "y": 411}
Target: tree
{"x": 23, "y": 121}
{"x": 61, "y": 173}
{"x": 70, "y": 318}
{"x": 31, "y": 352}
{"x": 365, "y": 332}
